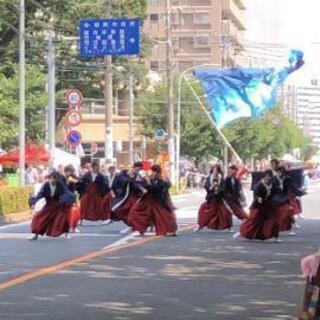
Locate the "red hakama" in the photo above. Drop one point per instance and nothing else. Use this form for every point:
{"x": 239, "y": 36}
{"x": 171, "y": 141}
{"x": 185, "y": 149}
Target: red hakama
{"x": 122, "y": 212}
{"x": 262, "y": 223}
{"x": 149, "y": 212}
{"x": 285, "y": 218}
{"x": 214, "y": 215}
{"x": 52, "y": 220}
{"x": 295, "y": 203}
{"x": 74, "y": 217}
{"x": 91, "y": 207}
{"x": 236, "y": 208}
{"x": 106, "y": 202}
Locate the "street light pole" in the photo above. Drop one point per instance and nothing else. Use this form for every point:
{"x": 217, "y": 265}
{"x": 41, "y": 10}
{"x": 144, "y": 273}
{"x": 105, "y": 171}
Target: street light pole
{"x": 131, "y": 106}
{"x": 170, "y": 110}
{"x": 108, "y": 95}
{"x": 22, "y": 93}
{"x": 51, "y": 96}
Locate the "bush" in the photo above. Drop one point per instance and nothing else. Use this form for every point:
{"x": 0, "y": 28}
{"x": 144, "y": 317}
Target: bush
{"x": 179, "y": 189}
{"x": 14, "y": 199}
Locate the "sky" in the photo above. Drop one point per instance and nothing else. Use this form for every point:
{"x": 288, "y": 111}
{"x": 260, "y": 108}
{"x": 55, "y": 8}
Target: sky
{"x": 275, "y": 26}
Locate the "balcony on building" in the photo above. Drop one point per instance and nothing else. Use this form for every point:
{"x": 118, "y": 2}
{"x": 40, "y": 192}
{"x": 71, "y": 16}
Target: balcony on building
{"x": 241, "y": 4}
{"x": 234, "y": 35}
{"x": 232, "y": 12}
{"x": 191, "y": 3}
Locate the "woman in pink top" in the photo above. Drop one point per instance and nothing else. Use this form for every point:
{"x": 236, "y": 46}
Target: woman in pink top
{"x": 310, "y": 266}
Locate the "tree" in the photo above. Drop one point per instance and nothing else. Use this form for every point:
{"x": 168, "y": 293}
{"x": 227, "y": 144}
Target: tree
{"x": 72, "y": 71}
{"x": 275, "y": 134}
{"x": 198, "y": 139}
{"x": 36, "y": 101}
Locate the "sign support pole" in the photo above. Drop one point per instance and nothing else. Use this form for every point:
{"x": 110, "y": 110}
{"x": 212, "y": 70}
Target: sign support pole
{"x": 22, "y": 93}
{"x": 108, "y": 96}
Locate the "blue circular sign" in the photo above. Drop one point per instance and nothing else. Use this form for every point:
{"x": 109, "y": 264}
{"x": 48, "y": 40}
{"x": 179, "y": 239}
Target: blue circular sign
{"x": 74, "y": 138}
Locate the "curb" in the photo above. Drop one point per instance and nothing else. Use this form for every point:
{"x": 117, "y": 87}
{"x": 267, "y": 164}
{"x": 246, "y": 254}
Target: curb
{"x": 15, "y": 217}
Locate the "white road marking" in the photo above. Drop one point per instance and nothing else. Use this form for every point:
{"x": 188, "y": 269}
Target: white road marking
{"x": 11, "y": 226}
{"x": 121, "y": 241}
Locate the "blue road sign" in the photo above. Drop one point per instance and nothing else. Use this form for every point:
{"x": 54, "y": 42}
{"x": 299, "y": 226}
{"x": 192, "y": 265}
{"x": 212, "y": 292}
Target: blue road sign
{"x": 114, "y": 37}
{"x": 74, "y": 138}
{"x": 160, "y": 135}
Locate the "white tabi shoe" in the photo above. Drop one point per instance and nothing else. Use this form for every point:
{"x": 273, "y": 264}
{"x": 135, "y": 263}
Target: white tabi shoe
{"x": 277, "y": 240}
{"x": 236, "y": 235}
{"x": 136, "y": 234}
{"x": 67, "y": 236}
{"x": 33, "y": 237}
{"x": 126, "y": 230}
{"x": 292, "y": 233}
{"x": 106, "y": 222}
{"x": 197, "y": 229}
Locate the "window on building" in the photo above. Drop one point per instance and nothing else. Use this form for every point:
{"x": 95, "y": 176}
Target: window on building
{"x": 201, "y": 18}
{"x": 154, "y": 17}
{"x": 201, "y": 41}
{"x": 175, "y": 18}
{"x": 154, "y": 65}
{"x": 175, "y": 43}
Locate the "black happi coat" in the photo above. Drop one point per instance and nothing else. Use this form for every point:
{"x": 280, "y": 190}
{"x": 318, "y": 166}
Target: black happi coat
{"x": 159, "y": 190}
{"x": 216, "y": 193}
{"x": 260, "y": 191}
{"x": 61, "y": 194}
{"x": 124, "y": 185}
{"x": 233, "y": 189}
{"x": 100, "y": 181}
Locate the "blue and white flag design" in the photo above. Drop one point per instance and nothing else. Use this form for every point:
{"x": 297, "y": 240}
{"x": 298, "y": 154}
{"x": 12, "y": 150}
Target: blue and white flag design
{"x": 244, "y": 92}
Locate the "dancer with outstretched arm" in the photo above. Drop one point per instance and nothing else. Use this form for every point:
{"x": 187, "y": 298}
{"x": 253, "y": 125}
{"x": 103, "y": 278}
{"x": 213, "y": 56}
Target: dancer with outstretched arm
{"x": 53, "y": 219}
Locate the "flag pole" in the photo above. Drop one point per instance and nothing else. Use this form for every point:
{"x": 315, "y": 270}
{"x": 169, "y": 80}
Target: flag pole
{"x": 212, "y": 122}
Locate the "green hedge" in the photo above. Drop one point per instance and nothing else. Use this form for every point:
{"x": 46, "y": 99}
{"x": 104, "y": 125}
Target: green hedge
{"x": 14, "y": 199}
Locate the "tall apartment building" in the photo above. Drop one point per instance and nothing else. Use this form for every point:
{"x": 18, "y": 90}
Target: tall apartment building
{"x": 202, "y": 31}
{"x": 303, "y": 105}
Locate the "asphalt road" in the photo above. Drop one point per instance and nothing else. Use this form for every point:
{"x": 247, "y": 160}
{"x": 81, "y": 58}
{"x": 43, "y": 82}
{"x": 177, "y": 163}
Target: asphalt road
{"x": 198, "y": 276}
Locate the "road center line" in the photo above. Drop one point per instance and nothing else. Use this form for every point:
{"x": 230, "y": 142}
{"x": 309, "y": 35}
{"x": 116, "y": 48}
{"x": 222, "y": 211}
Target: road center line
{"x": 73, "y": 261}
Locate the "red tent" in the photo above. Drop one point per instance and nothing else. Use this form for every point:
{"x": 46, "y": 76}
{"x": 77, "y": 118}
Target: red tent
{"x": 34, "y": 155}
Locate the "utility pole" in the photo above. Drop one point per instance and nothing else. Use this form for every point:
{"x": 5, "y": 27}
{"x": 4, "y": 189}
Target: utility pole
{"x": 51, "y": 96}
{"x": 22, "y": 94}
{"x": 108, "y": 96}
{"x": 170, "y": 111}
{"x": 131, "y": 112}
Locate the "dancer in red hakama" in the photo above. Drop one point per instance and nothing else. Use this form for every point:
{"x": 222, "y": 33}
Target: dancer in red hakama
{"x": 214, "y": 213}
{"x": 71, "y": 181}
{"x": 234, "y": 194}
{"x": 110, "y": 196}
{"x": 53, "y": 219}
{"x": 153, "y": 208}
{"x": 263, "y": 222}
{"x": 127, "y": 190}
{"x": 283, "y": 190}
{"x": 92, "y": 189}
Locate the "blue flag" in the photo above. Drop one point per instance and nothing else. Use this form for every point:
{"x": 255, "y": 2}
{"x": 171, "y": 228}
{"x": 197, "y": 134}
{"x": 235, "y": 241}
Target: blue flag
{"x": 244, "y": 92}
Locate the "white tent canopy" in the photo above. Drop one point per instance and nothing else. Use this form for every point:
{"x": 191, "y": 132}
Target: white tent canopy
{"x": 64, "y": 158}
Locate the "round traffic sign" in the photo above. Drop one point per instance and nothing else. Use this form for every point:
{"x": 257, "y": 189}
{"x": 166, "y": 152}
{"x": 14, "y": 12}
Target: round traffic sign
{"x": 73, "y": 118}
{"x": 74, "y": 138}
{"x": 160, "y": 135}
{"x": 74, "y": 97}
